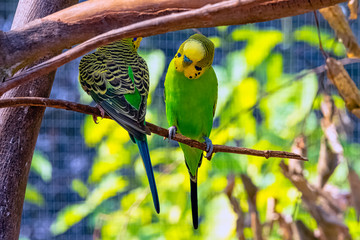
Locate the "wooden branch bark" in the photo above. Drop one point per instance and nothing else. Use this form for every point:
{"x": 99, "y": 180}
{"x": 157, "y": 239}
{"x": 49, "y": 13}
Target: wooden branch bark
{"x": 83, "y": 21}
{"x": 251, "y": 191}
{"x": 19, "y": 128}
{"x": 61, "y": 104}
{"x": 108, "y": 37}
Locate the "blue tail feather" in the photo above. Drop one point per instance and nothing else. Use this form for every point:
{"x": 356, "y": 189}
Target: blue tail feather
{"x": 144, "y": 152}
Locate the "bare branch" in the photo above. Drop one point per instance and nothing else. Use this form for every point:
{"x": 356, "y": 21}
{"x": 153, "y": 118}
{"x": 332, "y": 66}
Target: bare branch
{"x": 88, "y": 19}
{"x": 62, "y": 104}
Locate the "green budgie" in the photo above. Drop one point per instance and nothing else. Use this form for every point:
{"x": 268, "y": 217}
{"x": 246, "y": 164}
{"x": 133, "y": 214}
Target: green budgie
{"x": 117, "y": 78}
{"x": 190, "y": 95}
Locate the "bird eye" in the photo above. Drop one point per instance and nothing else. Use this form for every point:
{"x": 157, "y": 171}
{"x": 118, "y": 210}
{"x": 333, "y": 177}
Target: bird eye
{"x": 186, "y": 59}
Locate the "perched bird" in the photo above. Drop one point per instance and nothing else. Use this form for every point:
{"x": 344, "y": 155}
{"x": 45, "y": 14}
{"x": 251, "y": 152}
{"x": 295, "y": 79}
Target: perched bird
{"x": 191, "y": 90}
{"x": 117, "y": 78}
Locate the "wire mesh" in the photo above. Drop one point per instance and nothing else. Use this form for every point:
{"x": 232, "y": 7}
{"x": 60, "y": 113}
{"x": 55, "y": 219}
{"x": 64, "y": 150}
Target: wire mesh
{"x": 61, "y": 135}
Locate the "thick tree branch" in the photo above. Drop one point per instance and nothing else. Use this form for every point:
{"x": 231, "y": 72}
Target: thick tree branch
{"x": 88, "y": 19}
{"x": 61, "y": 104}
{"x": 19, "y": 127}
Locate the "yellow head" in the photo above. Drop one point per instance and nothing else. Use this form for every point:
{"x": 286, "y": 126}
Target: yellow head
{"x": 194, "y": 56}
{"x": 136, "y": 42}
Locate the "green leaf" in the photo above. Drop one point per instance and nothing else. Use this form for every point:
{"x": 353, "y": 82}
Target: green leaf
{"x": 288, "y": 106}
{"x": 307, "y": 89}
{"x": 112, "y": 155}
{"x": 236, "y": 66}
{"x": 156, "y": 62}
{"x": 68, "y": 217}
{"x": 222, "y": 29}
{"x": 79, "y": 187}
{"x": 42, "y": 166}
{"x": 109, "y": 187}
{"x": 216, "y": 40}
{"x": 259, "y": 44}
{"x": 274, "y": 70}
{"x": 309, "y": 35}
{"x": 220, "y": 221}
{"x": 94, "y": 133}
{"x": 32, "y": 195}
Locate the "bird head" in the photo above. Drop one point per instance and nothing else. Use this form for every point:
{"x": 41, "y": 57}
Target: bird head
{"x": 194, "y": 56}
{"x": 136, "y": 41}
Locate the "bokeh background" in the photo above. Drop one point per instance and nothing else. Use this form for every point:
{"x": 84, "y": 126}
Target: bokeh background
{"x": 87, "y": 181}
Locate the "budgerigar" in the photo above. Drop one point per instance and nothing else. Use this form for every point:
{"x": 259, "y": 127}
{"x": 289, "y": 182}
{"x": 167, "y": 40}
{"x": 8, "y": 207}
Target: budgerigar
{"x": 117, "y": 78}
{"x": 190, "y": 95}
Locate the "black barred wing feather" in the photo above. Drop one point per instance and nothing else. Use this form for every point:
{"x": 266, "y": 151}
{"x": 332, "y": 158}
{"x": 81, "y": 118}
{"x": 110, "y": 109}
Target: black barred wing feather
{"x": 101, "y": 74}
{"x": 124, "y": 114}
{"x": 106, "y": 75}
{"x": 141, "y": 75}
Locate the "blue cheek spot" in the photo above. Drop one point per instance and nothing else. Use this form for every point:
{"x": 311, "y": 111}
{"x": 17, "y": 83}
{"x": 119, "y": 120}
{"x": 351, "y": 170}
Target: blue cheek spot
{"x": 134, "y": 39}
{"x": 186, "y": 59}
{"x": 179, "y": 55}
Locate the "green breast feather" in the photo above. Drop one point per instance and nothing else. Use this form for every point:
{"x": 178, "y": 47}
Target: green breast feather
{"x": 190, "y": 107}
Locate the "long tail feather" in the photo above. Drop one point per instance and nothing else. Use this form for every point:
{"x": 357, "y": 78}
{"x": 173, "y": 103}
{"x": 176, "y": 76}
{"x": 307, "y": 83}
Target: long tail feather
{"x": 194, "y": 203}
{"x": 144, "y": 152}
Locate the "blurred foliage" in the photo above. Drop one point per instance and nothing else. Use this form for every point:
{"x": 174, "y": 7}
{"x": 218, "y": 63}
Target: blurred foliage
{"x": 42, "y": 167}
{"x": 32, "y": 195}
{"x": 309, "y": 35}
{"x": 259, "y": 106}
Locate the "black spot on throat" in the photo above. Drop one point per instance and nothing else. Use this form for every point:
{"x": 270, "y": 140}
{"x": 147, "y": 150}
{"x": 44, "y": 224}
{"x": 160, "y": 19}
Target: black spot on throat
{"x": 198, "y": 68}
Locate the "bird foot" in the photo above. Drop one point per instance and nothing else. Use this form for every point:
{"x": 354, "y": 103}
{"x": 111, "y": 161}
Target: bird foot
{"x": 209, "y": 148}
{"x": 172, "y": 132}
{"x": 102, "y": 113}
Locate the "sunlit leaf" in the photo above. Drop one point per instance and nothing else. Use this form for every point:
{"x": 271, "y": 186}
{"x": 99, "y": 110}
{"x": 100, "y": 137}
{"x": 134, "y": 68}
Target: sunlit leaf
{"x": 42, "y": 166}
{"x": 308, "y": 87}
{"x": 225, "y": 88}
{"x": 68, "y": 217}
{"x": 156, "y": 63}
{"x": 222, "y": 29}
{"x": 274, "y": 70}
{"x": 219, "y": 222}
{"x": 107, "y": 188}
{"x": 72, "y": 214}
{"x": 309, "y": 34}
{"x": 216, "y": 41}
{"x": 94, "y": 133}
{"x": 260, "y": 43}
{"x": 32, "y": 195}
{"x": 237, "y": 66}
{"x": 289, "y": 105}
{"x": 108, "y": 162}
{"x": 226, "y": 163}
{"x": 79, "y": 187}
{"x": 246, "y": 93}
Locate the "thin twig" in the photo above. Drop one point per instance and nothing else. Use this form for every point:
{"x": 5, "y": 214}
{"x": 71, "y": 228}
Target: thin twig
{"x": 325, "y": 55}
{"x": 62, "y": 104}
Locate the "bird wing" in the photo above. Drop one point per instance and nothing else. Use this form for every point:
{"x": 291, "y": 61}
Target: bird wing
{"x": 109, "y": 80}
